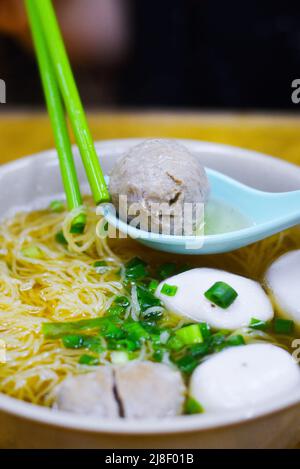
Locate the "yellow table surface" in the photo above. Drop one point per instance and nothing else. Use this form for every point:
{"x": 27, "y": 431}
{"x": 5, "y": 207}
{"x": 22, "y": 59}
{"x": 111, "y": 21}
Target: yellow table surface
{"x": 24, "y": 133}
{"x": 278, "y": 135}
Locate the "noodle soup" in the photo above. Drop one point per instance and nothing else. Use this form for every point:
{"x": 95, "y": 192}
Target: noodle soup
{"x": 54, "y": 285}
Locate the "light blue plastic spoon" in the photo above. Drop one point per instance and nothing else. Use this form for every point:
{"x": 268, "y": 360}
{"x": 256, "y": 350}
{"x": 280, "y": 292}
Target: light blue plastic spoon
{"x": 268, "y": 213}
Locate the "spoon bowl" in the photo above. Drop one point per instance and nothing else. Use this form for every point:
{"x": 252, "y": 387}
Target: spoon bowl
{"x": 268, "y": 213}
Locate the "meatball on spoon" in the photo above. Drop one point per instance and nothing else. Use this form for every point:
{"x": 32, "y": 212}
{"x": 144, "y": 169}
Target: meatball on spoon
{"x": 164, "y": 173}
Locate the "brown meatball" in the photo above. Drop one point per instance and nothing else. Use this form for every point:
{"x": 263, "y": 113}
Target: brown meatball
{"x": 159, "y": 172}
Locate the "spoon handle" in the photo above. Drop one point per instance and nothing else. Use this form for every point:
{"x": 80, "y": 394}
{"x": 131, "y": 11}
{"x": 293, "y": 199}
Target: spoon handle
{"x": 281, "y": 204}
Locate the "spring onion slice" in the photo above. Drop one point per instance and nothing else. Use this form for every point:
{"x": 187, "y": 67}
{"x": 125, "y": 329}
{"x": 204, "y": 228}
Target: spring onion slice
{"x": 135, "y": 269}
{"x": 258, "y": 324}
{"x": 187, "y": 363}
{"x": 158, "y": 355}
{"x": 169, "y": 290}
{"x": 175, "y": 343}
{"x": 153, "y": 286}
{"x": 56, "y": 330}
{"x": 60, "y": 238}
{"x": 235, "y": 340}
{"x": 124, "y": 345}
{"x": 136, "y": 331}
{"x": 80, "y": 341}
{"x": 221, "y": 294}
{"x": 119, "y": 358}
{"x": 192, "y": 406}
{"x": 283, "y": 326}
{"x": 88, "y": 360}
{"x": 190, "y": 334}
{"x": 146, "y": 299}
{"x": 100, "y": 264}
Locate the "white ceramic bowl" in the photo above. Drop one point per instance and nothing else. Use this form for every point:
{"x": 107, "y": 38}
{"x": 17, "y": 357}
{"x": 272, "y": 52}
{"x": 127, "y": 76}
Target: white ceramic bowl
{"x": 31, "y": 182}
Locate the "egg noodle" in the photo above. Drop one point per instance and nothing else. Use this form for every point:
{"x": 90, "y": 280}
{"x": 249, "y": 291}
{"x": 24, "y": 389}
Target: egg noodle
{"x": 60, "y": 283}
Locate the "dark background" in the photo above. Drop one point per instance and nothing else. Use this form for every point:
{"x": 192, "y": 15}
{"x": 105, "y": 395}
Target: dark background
{"x": 185, "y": 54}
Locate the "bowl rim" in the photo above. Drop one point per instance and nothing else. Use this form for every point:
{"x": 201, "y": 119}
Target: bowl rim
{"x": 174, "y": 425}
{"x": 178, "y": 424}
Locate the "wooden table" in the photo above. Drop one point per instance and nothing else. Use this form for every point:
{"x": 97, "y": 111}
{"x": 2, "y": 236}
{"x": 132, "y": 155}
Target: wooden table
{"x": 278, "y": 135}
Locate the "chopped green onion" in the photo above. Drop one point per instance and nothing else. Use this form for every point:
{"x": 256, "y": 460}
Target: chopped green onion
{"x": 235, "y": 340}
{"x": 136, "y": 331}
{"x": 153, "y": 315}
{"x": 77, "y": 229}
{"x": 57, "y": 206}
{"x": 175, "y": 343}
{"x": 146, "y": 299}
{"x": 166, "y": 270}
{"x": 60, "y": 238}
{"x": 193, "y": 407}
{"x": 217, "y": 341}
{"x": 190, "y": 334}
{"x": 153, "y": 286}
{"x": 187, "y": 364}
{"x": 136, "y": 273}
{"x": 100, "y": 264}
{"x": 115, "y": 310}
{"x": 258, "y": 324}
{"x": 81, "y": 341}
{"x": 205, "y": 330}
{"x": 221, "y": 294}
{"x": 151, "y": 327}
{"x": 88, "y": 360}
{"x": 119, "y": 358}
{"x": 124, "y": 344}
{"x": 135, "y": 269}
{"x": 32, "y": 252}
{"x": 199, "y": 350}
{"x": 56, "y": 330}
{"x": 195, "y": 352}
{"x": 73, "y": 341}
{"x": 169, "y": 290}
{"x": 78, "y": 224}
{"x": 283, "y": 326}
{"x": 158, "y": 355}
{"x": 122, "y": 301}
{"x": 110, "y": 331}
{"x": 156, "y": 339}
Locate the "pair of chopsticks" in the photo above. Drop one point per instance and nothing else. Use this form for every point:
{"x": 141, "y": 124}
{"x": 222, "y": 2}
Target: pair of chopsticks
{"x": 61, "y": 94}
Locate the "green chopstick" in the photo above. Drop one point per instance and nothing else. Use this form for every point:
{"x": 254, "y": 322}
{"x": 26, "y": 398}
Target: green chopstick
{"x": 72, "y": 100}
{"x": 57, "y": 117}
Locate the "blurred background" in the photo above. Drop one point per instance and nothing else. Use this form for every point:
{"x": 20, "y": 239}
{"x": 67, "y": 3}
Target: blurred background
{"x": 183, "y": 54}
